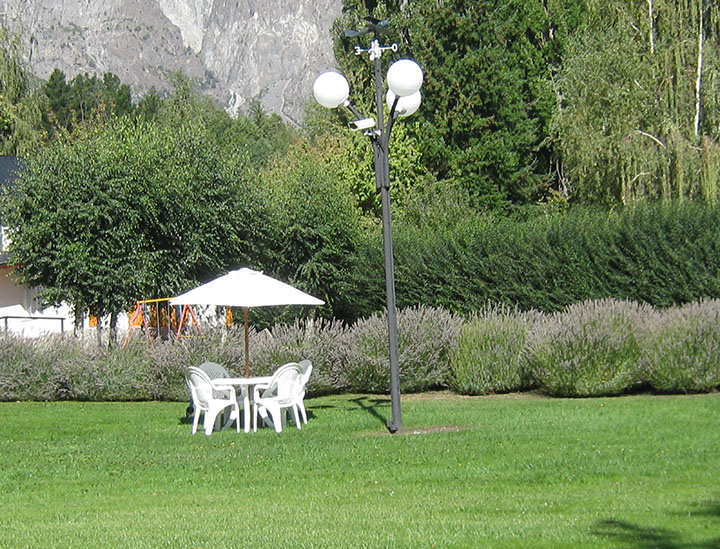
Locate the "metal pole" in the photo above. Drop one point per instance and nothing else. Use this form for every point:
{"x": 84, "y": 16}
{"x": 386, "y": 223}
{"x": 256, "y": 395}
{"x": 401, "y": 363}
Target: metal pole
{"x": 247, "y": 343}
{"x": 382, "y": 178}
{"x": 395, "y": 422}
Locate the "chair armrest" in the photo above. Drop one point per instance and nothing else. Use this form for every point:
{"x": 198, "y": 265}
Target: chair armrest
{"x": 219, "y": 386}
{"x": 259, "y": 387}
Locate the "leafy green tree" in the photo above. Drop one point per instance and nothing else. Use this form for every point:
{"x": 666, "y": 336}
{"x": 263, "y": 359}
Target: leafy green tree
{"x": 351, "y": 157}
{"x": 259, "y": 136}
{"x": 129, "y": 210}
{"x": 315, "y": 225}
{"x": 256, "y": 138}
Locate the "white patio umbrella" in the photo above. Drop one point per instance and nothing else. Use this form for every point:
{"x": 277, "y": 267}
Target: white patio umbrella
{"x": 245, "y": 288}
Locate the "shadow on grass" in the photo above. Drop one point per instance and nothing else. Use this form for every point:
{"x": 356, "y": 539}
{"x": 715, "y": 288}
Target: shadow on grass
{"x": 646, "y": 537}
{"x": 371, "y": 406}
{"x": 188, "y": 417}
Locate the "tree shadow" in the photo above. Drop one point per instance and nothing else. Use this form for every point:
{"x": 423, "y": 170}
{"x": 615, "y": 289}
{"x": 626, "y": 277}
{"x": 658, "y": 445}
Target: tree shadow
{"x": 707, "y": 509}
{"x": 371, "y": 405}
{"x": 638, "y": 536}
{"x": 647, "y": 537}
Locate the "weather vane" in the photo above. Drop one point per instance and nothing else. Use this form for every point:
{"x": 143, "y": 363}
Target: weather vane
{"x": 375, "y": 26}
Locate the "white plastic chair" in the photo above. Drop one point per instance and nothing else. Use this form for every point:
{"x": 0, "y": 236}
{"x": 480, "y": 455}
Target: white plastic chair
{"x": 213, "y": 371}
{"x": 210, "y": 398}
{"x": 306, "y": 369}
{"x": 278, "y": 396}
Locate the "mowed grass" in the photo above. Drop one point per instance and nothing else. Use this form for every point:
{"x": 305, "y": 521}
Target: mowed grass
{"x": 503, "y": 471}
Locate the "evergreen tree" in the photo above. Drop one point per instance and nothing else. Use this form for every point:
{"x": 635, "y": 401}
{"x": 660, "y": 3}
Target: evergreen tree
{"x": 58, "y": 92}
{"x": 115, "y": 95}
{"x": 148, "y": 105}
{"x": 84, "y": 98}
{"x": 487, "y": 97}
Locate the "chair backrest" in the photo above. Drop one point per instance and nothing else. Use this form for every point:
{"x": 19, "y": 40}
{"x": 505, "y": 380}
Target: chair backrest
{"x": 200, "y": 385}
{"x": 215, "y": 371}
{"x": 286, "y": 382}
{"x": 305, "y": 365}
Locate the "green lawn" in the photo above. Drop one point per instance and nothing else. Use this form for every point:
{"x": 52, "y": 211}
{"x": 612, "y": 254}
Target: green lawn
{"x": 505, "y": 471}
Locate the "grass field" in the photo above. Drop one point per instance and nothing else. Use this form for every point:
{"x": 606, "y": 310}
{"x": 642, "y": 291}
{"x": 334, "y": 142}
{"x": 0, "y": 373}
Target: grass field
{"x": 504, "y": 471}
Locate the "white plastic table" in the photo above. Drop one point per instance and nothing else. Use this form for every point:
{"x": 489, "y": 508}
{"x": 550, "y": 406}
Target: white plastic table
{"x": 246, "y": 385}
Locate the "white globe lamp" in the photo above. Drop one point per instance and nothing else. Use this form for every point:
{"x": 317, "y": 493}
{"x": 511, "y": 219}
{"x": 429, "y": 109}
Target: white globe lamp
{"x": 331, "y": 89}
{"x": 404, "y": 77}
{"x": 406, "y": 105}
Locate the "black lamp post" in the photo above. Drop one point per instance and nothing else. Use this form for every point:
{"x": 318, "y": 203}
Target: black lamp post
{"x": 331, "y": 90}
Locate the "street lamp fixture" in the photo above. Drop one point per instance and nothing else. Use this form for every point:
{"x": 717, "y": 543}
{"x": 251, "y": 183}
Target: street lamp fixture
{"x": 404, "y": 78}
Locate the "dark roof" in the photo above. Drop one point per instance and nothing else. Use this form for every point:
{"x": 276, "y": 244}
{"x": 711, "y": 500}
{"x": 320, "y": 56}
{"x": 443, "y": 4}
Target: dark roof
{"x": 9, "y": 167}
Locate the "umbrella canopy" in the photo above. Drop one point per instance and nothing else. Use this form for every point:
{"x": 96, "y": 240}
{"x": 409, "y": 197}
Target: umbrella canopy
{"x": 245, "y": 288}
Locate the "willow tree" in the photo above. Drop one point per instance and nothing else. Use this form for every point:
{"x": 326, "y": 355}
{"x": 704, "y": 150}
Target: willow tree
{"x": 21, "y": 103}
{"x": 639, "y": 109}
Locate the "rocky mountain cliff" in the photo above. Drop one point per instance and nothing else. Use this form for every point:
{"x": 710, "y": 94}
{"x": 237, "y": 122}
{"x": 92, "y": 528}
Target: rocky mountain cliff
{"x": 240, "y": 50}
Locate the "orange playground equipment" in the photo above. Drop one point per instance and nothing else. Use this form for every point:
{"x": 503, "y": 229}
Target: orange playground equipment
{"x": 158, "y": 318}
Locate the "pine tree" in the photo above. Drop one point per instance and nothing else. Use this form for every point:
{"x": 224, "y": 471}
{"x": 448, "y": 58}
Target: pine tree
{"x": 58, "y": 92}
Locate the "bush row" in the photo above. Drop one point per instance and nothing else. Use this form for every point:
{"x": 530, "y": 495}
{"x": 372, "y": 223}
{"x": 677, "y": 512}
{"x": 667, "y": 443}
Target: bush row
{"x": 593, "y": 348}
{"x": 345, "y": 359}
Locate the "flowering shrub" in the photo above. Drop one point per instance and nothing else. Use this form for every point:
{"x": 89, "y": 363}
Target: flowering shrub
{"x": 323, "y": 342}
{"x": 487, "y": 357}
{"x": 593, "y": 348}
{"x": 681, "y": 349}
{"x": 589, "y": 349}
{"x": 24, "y": 369}
{"x": 425, "y": 338}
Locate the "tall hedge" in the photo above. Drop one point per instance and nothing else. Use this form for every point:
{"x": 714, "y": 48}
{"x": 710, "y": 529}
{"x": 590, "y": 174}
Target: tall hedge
{"x": 659, "y": 254}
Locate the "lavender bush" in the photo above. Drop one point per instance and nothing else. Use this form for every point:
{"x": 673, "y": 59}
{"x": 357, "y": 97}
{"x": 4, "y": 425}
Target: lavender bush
{"x": 681, "y": 349}
{"x": 425, "y": 339}
{"x": 168, "y": 360}
{"x": 593, "y": 348}
{"x": 487, "y": 357}
{"x": 321, "y": 341}
{"x": 589, "y": 349}
{"x": 25, "y": 369}
{"x": 60, "y": 367}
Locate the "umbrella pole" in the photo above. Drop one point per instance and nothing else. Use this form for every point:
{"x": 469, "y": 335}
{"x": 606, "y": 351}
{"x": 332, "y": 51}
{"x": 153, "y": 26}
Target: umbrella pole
{"x": 247, "y": 345}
